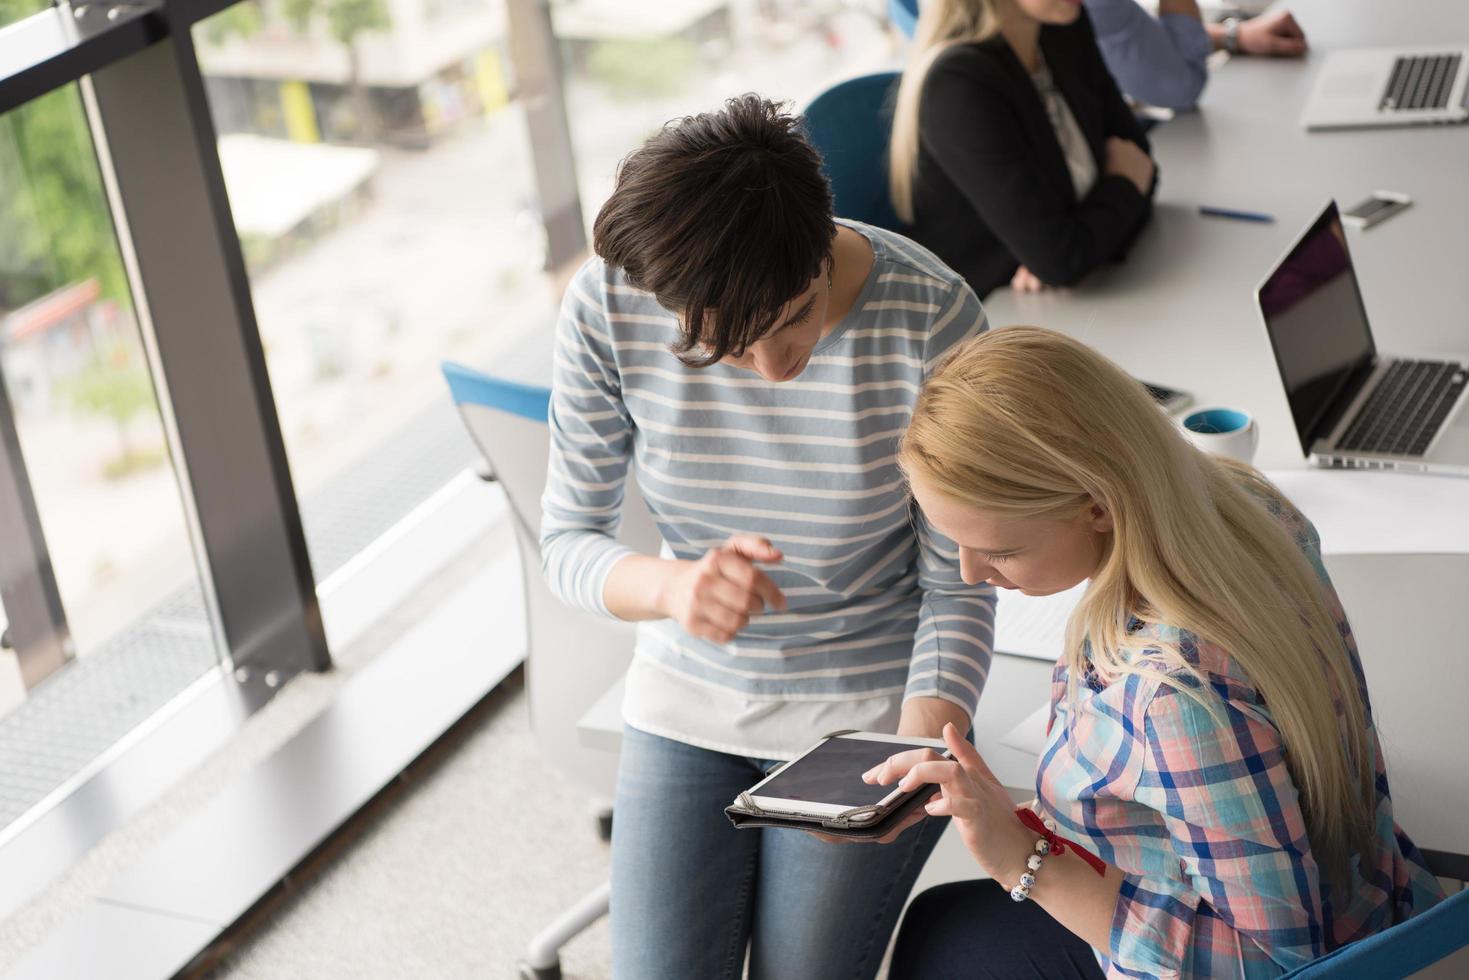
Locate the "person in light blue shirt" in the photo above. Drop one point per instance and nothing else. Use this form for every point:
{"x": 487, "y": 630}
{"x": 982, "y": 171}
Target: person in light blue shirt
{"x": 1162, "y": 60}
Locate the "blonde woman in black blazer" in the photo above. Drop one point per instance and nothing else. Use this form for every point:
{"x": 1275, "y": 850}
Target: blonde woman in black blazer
{"x": 979, "y": 158}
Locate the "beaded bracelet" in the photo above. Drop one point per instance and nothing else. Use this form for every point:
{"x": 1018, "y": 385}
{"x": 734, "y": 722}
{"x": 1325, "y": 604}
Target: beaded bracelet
{"x": 1033, "y": 863}
{"x": 1048, "y": 843}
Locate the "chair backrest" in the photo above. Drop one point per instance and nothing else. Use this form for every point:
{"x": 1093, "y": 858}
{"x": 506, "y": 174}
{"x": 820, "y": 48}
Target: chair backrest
{"x": 850, "y": 124}
{"x": 573, "y": 657}
{"x": 1434, "y": 944}
{"x": 904, "y": 15}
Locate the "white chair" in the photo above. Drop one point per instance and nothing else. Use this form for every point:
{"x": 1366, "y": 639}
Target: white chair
{"x": 572, "y": 658}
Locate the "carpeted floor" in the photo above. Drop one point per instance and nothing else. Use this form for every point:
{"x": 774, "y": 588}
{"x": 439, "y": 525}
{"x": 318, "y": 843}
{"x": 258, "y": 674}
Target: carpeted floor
{"x": 452, "y": 878}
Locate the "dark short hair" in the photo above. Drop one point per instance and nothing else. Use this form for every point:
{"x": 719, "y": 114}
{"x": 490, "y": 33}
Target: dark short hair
{"x": 724, "y": 213}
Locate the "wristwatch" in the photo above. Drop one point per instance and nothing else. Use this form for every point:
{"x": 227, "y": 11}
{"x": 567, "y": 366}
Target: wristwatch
{"x": 1231, "y": 34}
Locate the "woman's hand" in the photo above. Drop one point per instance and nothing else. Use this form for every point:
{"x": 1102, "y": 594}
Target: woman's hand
{"x": 970, "y": 793}
{"x": 715, "y": 596}
{"x": 1126, "y": 159}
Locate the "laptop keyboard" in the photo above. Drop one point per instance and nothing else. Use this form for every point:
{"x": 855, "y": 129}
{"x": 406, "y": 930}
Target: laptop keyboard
{"x": 1420, "y": 82}
{"x": 1405, "y": 410}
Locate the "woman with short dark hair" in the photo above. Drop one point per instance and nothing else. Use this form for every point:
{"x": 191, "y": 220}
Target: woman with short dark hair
{"x": 759, "y": 360}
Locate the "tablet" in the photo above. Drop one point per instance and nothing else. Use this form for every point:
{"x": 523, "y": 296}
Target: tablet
{"x": 825, "y": 781}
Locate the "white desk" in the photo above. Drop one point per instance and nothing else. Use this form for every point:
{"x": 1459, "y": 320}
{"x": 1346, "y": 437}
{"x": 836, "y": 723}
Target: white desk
{"x": 1181, "y": 311}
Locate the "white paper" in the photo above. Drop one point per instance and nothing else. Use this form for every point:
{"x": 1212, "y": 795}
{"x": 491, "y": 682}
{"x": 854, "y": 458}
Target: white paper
{"x": 1034, "y": 626}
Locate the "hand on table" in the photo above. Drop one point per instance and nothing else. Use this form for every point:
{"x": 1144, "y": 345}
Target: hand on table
{"x": 1025, "y": 281}
{"x": 1126, "y": 159}
{"x": 1276, "y": 34}
{"x": 715, "y": 596}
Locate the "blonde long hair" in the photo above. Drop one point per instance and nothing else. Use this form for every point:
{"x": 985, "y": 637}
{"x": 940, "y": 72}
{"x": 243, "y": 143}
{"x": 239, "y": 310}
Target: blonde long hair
{"x": 1026, "y": 422}
{"x": 941, "y": 23}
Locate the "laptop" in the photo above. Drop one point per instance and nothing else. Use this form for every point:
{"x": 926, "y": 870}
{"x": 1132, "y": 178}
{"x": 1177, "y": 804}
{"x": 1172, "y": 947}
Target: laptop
{"x": 1354, "y": 407}
{"x": 1390, "y": 87}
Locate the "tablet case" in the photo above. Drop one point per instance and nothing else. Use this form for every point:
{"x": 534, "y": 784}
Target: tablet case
{"x": 745, "y": 813}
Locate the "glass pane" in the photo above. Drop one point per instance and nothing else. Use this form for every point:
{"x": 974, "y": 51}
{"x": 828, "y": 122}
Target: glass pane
{"x": 14, "y": 10}
{"x": 92, "y": 441}
{"x": 380, "y": 182}
{"x": 666, "y": 60}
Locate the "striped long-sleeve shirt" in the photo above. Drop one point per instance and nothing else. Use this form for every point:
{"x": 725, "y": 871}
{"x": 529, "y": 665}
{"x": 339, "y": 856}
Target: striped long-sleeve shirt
{"x": 876, "y": 604}
{"x": 1203, "y": 818}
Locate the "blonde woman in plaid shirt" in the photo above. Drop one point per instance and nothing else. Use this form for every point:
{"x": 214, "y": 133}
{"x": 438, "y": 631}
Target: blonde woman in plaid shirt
{"x": 1210, "y": 753}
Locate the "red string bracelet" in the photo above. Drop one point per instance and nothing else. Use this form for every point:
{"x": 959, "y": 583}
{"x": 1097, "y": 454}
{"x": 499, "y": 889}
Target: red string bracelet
{"x": 1058, "y": 845}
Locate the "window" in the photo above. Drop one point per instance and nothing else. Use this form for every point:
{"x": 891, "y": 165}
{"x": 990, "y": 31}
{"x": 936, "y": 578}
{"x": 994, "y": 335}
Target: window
{"x": 110, "y": 507}
{"x": 13, "y": 10}
{"x": 380, "y": 182}
{"x": 631, "y": 68}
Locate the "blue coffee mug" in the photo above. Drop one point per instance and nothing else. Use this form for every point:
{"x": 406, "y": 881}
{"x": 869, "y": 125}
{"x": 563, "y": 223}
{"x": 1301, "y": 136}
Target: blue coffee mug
{"x": 1216, "y": 421}
{"x": 1222, "y": 431}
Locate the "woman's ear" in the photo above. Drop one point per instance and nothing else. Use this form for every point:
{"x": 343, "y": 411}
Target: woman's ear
{"x": 1101, "y": 519}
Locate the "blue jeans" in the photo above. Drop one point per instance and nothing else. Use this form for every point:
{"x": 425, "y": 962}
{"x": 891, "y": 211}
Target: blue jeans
{"x": 690, "y": 893}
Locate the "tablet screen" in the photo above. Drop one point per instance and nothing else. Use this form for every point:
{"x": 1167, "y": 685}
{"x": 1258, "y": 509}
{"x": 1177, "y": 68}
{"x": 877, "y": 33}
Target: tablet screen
{"x": 832, "y": 773}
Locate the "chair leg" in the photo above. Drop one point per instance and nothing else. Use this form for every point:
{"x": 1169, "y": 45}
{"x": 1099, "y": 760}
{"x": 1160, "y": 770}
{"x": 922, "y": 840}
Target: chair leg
{"x": 542, "y": 958}
{"x": 604, "y": 825}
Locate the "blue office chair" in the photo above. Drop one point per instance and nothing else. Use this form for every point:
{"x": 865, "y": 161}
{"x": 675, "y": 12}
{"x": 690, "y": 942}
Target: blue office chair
{"x": 1425, "y": 942}
{"x": 849, "y": 123}
{"x": 572, "y": 658}
{"x": 904, "y": 15}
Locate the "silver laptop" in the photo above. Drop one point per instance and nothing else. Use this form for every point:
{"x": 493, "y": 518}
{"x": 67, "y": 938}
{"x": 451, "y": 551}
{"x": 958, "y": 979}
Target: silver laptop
{"x": 1352, "y": 406}
{"x": 1390, "y": 87}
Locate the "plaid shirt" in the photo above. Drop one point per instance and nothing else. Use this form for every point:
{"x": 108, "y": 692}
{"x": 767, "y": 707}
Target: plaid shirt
{"x": 1205, "y": 822}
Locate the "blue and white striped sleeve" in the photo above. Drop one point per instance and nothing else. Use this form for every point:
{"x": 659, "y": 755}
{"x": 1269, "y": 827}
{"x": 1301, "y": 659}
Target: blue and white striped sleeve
{"x": 956, "y": 626}
{"x": 956, "y": 622}
{"x": 962, "y": 318}
{"x": 591, "y": 446}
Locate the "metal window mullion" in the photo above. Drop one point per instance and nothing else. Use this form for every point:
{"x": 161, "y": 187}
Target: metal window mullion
{"x": 540, "y": 91}
{"x": 169, "y": 188}
{"x": 148, "y": 338}
{"x": 36, "y": 621}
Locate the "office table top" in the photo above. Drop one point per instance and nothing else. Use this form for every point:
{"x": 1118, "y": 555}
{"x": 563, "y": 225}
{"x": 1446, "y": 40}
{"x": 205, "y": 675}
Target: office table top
{"x": 1180, "y": 310}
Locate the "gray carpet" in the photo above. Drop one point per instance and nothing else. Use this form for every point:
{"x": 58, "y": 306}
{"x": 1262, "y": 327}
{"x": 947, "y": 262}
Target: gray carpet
{"x": 452, "y": 879}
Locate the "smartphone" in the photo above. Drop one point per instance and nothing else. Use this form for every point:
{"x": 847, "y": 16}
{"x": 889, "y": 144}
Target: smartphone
{"x": 1170, "y": 398}
{"x": 1377, "y": 208}
{"x": 826, "y": 779}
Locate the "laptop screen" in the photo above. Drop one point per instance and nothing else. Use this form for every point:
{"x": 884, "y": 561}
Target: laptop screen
{"x": 1313, "y": 312}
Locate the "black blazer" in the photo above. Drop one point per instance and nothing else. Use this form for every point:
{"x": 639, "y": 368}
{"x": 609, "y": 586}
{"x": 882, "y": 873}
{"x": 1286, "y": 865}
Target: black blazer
{"x": 992, "y": 190}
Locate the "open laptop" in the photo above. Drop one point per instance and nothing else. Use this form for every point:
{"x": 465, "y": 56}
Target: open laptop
{"x": 1390, "y": 87}
{"x": 1352, "y": 406}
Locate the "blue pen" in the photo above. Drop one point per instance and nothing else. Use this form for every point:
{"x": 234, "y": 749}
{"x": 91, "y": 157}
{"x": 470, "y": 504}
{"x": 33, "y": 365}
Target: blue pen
{"x": 1214, "y": 212}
